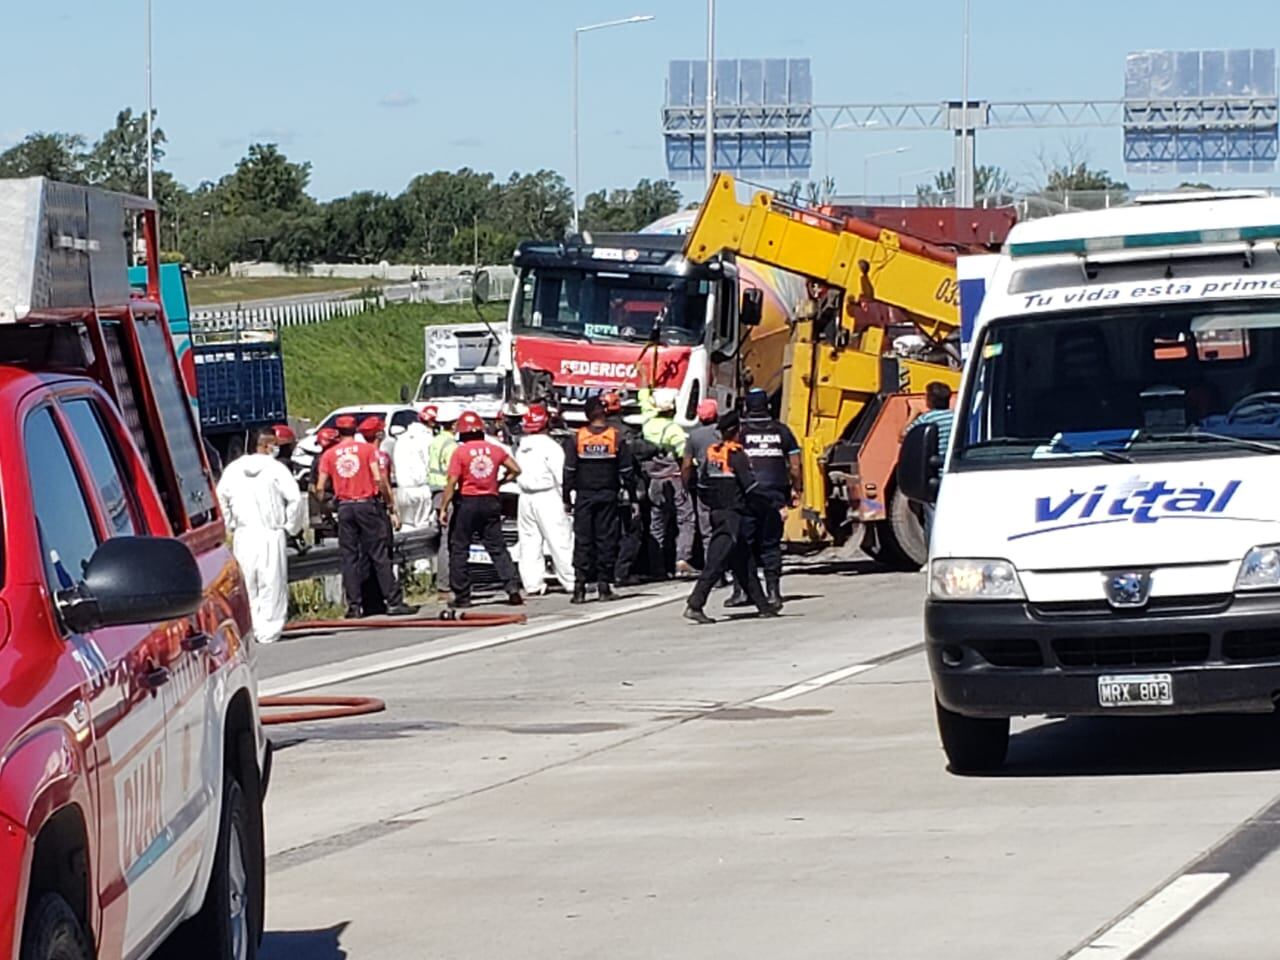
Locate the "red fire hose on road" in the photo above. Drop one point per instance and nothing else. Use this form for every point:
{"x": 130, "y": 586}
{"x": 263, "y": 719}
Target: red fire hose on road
{"x": 304, "y": 709}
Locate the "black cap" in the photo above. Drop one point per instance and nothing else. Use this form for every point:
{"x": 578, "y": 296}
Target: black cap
{"x": 757, "y": 401}
{"x": 728, "y": 421}
{"x": 595, "y": 408}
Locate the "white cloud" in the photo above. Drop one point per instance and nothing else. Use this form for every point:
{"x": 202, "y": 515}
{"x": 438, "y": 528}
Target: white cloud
{"x": 398, "y": 98}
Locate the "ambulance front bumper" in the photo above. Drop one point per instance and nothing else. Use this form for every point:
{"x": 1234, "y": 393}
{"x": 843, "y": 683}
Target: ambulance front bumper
{"x": 1217, "y": 654}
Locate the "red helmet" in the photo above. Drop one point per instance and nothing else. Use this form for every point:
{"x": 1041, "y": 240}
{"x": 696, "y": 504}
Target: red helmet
{"x": 326, "y": 437}
{"x": 536, "y": 420}
{"x": 612, "y": 402}
{"x": 469, "y": 422}
{"x": 284, "y": 433}
{"x": 428, "y": 413}
{"x": 371, "y": 425}
{"x": 345, "y": 422}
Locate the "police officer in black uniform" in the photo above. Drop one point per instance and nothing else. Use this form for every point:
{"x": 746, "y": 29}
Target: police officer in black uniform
{"x": 597, "y": 468}
{"x": 775, "y": 461}
{"x": 729, "y": 484}
{"x": 630, "y": 502}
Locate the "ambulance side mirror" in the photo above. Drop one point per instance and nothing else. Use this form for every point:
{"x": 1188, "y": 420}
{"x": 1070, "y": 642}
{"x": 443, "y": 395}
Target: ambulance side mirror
{"x": 480, "y": 287}
{"x": 752, "y": 310}
{"x": 404, "y": 393}
{"x": 919, "y": 466}
{"x": 131, "y": 580}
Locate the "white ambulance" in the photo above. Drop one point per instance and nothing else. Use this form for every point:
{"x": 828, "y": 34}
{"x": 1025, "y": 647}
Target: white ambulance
{"x": 1106, "y": 537}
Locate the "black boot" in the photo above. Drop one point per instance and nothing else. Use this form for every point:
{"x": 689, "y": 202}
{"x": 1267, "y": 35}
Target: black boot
{"x": 739, "y": 597}
{"x": 696, "y": 615}
{"x": 354, "y": 612}
{"x": 579, "y": 593}
{"x": 773, "y": 591}
{"x": 606, "y": 591}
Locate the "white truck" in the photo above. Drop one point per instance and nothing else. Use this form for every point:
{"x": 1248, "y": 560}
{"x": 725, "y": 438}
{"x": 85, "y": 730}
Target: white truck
{"x": 466, "y": 367}
{"x": 1107, "y": 531}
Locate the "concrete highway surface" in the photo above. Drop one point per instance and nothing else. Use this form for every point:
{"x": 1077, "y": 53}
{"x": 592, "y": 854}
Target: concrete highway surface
{"x": 613, "y": 781}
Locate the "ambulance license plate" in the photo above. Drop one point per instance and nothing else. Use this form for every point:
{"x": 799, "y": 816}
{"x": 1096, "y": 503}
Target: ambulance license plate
{"x": 478, "y": 554}
{"x": 1136, "y": 690}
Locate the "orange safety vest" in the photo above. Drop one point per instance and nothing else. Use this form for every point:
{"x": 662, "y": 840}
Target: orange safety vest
{"x": 597, "y": 446}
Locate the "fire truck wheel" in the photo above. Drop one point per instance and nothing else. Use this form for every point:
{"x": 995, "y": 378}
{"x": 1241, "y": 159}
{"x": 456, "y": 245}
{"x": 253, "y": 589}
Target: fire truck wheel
{"x": 225, "y": 928}
{"x": 53, "y": 932}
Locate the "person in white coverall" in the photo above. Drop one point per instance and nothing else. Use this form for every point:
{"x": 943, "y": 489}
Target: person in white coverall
{"x": 544, "y": 527}
{"x": 262, "y": 505}
{"x": 410, "y": 460}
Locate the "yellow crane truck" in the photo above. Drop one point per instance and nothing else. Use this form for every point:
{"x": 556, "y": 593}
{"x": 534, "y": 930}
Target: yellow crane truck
{"x": 878, "y": 327}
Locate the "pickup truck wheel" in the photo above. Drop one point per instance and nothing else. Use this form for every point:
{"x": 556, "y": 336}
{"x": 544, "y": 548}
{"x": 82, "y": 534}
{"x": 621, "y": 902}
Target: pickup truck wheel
{"x": 972, "y": 744}
{"x": 901, "y": 534}
{"x": 53, "y": 932}
{"x": 226, "y": 928}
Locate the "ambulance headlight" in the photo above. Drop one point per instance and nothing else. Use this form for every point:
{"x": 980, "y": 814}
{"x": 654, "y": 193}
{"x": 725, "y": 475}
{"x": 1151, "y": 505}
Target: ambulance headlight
{"x": 974, "y": 580}
{"x": 1260, "y": 569}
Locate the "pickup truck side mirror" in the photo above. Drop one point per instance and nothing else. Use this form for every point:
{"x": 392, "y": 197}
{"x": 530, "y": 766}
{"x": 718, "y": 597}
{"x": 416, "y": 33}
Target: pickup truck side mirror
{"x": 919, "y": 465}
{"x": 133, "y": 580}
{"x": 752, "y": 310}
{"x": 404, "y": 393}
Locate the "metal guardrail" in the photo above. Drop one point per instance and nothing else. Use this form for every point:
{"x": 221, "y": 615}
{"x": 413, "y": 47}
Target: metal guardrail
{"x": 212, "y": 322}
{"x": 325, "y": 561}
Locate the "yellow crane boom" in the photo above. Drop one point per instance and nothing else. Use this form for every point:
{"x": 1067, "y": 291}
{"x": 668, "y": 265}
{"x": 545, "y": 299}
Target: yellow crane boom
{"x": 859, "y": 258}
{"x": 845, "y": 396}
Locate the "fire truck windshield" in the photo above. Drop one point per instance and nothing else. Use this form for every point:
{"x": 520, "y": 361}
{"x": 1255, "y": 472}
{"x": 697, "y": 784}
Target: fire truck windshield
{"x": 612, "y": 306}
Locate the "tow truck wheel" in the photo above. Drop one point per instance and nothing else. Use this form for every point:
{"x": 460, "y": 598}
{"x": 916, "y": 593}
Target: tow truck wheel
{"x": 972, "y": 744}
{"x": 53, "y": 932}
{"x": 901, "y": 534}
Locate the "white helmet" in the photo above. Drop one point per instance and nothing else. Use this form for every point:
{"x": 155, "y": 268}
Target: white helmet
{"x": 664, "y": 399}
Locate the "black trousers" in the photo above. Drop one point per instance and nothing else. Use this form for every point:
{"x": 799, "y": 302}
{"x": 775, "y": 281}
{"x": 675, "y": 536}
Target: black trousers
{"x": 727, "y": 551}
{"x": 629, "y": 540}
{"x": 762, "y": 529}
{"x": 364, "y": 542}
{"x": 481, "y": 516}
{"x": 595, "y": 536}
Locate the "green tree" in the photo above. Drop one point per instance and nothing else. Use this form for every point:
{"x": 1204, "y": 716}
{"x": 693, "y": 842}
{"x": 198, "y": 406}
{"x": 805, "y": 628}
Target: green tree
{"x": 59, "y": 156}
{"x": 1079, "y": 177}
{"x": 436, "y": 208}
{"x": 366, "y": 226}
{"x": 991, "y": 185}
{"x": 535, "y": 206}
{"x": 265, "y": 180}
{"x": 118, "y": 161}
{"x": 628, "y": 210}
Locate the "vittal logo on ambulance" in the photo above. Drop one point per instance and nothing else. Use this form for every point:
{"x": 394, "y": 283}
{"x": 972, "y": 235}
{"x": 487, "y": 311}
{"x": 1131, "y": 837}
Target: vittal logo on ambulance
{"x": 1135, "y": 501}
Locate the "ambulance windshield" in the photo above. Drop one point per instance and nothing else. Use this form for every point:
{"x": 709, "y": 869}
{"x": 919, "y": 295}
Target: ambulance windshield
{"x": 1167, "y": 381}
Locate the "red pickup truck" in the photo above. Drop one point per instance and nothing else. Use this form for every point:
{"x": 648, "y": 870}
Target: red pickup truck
{"x": 132, "y": 759}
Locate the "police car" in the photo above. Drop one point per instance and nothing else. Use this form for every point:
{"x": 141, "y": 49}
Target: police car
{"x": 1107, "y": 533}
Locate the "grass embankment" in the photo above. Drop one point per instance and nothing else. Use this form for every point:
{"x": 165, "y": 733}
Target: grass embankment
{"x": 365, "y": 358}
{"x": 213, "y": 290}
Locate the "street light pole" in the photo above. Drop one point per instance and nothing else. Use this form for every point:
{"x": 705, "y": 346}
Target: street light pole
{"x": 577, "y": 163}
{"x": 711, "y": 91}
{"x": 151, "y": 185}
{"x": 866, "y": 166}
{"x": 964, "y": 187}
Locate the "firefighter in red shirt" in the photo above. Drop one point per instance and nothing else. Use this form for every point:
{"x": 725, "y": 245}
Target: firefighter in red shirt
{"x": 470, "y": 507}
{"x": 364, "y": 501}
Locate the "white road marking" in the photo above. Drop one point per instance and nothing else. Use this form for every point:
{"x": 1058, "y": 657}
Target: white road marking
{"x": 1152, "y": 917}
{"x": 357, "y": 667}
{"x": 816, "y": 683}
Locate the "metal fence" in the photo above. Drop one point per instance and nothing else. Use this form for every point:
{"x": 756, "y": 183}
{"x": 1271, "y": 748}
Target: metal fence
{"x": 213, "y": 322}
{"x": 502, "y": 285}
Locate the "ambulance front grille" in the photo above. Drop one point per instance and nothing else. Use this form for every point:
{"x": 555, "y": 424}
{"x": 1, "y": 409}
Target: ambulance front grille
{"x": 1157, "y": 650}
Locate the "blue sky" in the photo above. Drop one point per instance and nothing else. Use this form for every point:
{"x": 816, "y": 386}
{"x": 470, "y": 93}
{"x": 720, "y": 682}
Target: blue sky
{"x": 377, "y": 91}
